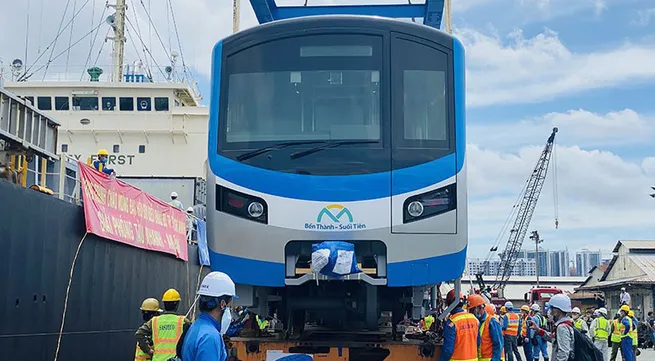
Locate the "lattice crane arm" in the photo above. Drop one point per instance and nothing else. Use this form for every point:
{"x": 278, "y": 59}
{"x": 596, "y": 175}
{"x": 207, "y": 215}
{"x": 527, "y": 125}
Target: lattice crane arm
{"x": 524, "y": 214}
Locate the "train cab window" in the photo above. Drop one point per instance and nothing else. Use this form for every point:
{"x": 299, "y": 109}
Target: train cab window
{"x": 126, "y": 104}
{"x": 424, "y": 105}
{"x": 61, "y": 103}
{"x": 161, "y": 104}
{"x": 108, "y": 103}
{"x": 85, "y": 103}
{"x": 144, "y": 104}
{"x": 44, "y": 103}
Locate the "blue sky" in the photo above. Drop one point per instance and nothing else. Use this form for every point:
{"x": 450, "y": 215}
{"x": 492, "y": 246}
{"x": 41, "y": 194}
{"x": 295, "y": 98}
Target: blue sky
{"x": 586, "y": 66}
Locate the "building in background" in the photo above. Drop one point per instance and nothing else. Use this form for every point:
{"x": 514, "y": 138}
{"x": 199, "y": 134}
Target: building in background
{"x": 522, "y": 267}
{"x": 585, "y": 260}
{"x": 559, "y": 264}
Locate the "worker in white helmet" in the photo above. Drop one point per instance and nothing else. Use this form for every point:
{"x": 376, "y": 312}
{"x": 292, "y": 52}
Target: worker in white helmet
{"x": 539, "y": 344}
{"x": 204, "y": 341}
{"x": 579, "y": 322}
{"x": 563, "y": 337}
{"x": 600, "y": 331}
{"x": 175, "y": 202}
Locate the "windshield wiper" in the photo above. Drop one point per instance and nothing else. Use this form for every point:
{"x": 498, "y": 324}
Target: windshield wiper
{"x": 259, "y": 151}
{"x": 302, "y": 153}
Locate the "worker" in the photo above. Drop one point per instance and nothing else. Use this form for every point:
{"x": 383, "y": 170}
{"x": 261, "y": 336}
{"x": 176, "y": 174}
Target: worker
{"x": 624, "y": 297}
{"x": 625, "y": 328}
{"x": 490, "y": 335}
{"x": 634, "y": 334}
{"x": 460, "y": 333}
{"x": 526, "y": 333}
{"x": 428, "y": 321}
{"x": 511, "y": 326}
{"x": 600, "y": 330}
{"x": 175, "y": 202}
{"x": 164, "y": 330}
{"x": 204, "y": 341}
{"x": 616, "y": 336}
{"x": 563, "y": 336}
{"x": 149, "y": 309}
{"x": 579, "y": 322}
{"x": 100, "y": 164}
{"x": 539, "y": 344}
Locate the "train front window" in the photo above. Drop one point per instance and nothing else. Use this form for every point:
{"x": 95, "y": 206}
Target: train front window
{"x": 323, "y": 87}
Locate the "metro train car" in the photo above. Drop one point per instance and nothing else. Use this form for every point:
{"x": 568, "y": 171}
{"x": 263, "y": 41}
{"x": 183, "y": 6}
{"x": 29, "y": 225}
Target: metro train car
{"x": 337, "y": 128}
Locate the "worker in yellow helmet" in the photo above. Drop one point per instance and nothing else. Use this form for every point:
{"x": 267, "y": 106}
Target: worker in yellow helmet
{"x": 149, "y": 309}
{"x": 634, "y": 333}
{"x": 164, "y": 330}
{"x": 100, "y": 164}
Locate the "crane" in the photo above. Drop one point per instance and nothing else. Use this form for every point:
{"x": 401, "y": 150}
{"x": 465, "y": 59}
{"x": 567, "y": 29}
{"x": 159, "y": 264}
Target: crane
{"x": 523, "y": 215}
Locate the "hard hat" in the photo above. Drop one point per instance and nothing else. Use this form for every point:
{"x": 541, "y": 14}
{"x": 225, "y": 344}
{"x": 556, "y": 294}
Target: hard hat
{"x": 575, "y": 310}
{"x": 596, "y": 313}
{"x": 503, "y": 309}
{"x": 631, "y": 313}
{"x": 150, "y": 304}
{"x": 103, "y": 152}
{"x": 189, "y": 210}
{"x": 535, "y": 307}
{"x": 625, "y": 308}
{"x": 173, "y": 194}
{"x": 217, "y": 284}
{"x": 561, "y": 301}
{"x": 622, "y": 288}
{"x": 475, "y": 301}
{"x": 171, "y": 295}
{"x": 490, "y": 309}
{"x": 525, "y": 308}
{"x": 509, "y": 305}
{"x": 603, "y": 311}
{"x": 450, "y": 297}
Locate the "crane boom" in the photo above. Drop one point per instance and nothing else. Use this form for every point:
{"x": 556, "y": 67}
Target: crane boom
{"x": 524, "y": 214}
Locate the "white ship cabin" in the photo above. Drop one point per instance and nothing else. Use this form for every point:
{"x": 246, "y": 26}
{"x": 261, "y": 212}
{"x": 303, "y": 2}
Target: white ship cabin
{"x": 149, "y": 129}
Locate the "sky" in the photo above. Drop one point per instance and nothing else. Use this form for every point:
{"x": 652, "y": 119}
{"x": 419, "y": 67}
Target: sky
{"x": 585, "y": 66}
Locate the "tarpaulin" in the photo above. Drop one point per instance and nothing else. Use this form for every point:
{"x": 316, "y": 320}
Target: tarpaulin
{"x": 121, "y": 212}
{"x": 203, "y": 251}
{"x": 334, "y": 259}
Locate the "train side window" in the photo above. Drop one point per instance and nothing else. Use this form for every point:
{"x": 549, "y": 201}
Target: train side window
{"x": 61, "y": 103}
{"x": 144, "y": 104}
{"x": 108, "y": 103}
{"x": 44, "y": 103}
{"x": 161, "y": 104}
{"x": 126, "y": 104}
{"x": 116, "y": 148}
{"x": 85, "y": 103}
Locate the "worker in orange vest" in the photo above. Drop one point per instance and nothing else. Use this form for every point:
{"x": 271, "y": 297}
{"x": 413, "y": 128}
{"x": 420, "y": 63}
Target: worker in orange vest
{"x": 490, "y": 340}
{"x": 525, "y": 333}
{"x": 511, "y": 326}
{"x": 460, "y": 333}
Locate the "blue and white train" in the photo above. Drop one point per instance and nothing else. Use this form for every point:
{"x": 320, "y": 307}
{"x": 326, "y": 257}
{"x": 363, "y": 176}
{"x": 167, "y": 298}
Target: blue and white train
{"x": 344, "y": 128}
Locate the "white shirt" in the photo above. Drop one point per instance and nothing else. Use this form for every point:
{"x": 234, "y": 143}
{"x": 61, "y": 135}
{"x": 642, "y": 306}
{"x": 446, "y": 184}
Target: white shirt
{"x": 625, "y": 298}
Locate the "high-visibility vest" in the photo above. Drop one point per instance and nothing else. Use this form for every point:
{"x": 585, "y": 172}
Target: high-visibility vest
{"x": 466, "y": 337}
{"x": 601, "y": 329}
{"x": 578, "y": 323}
{"x": 512, "y": 324}
{"x": 140, "y": 355}
{"x": 617, "y": 333}
{"x": 166, "y": 331}
{"x": 485, "y": 351}
{"x": 429, "y": 320}
{"x": 524, "y": 326}
{"x": 634, "y": 333}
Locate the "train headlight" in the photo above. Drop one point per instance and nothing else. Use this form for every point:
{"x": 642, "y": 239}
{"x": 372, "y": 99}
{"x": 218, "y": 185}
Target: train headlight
{"x": 255, "y": 209}
{"x": 415, "y": 209}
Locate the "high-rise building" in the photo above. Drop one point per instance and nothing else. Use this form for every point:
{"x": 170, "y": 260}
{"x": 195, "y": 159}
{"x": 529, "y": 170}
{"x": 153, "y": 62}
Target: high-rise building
{"x": 585, "y": 260}
{"x": 559, "y": 264}
{"x": 543, "y": 259}
{"x": 522, "y": 267}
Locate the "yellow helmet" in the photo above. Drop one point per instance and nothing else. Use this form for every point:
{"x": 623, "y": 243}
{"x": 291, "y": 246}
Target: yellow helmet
{"x": 631, "y": 313}
{"x": 150, "y": 304}
{"x": 103, "y": 152}
{"x": 625, "y": 308}
{"x": 171, "y": 295}
{"x": 503, "y": 309}
{"x": 525, "y": 308}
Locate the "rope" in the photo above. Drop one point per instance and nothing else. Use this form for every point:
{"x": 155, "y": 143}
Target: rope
{"x": 555, "y": 190}
{"x": 145, "y": 47}
{"x": 68, "y": 289}
{"x": 70, "y": 39}
{"x": 179, "y": 44}
{"x": 93, "y": 42}
{"x": 59, "y": 32}
{"x": 154, "y": 27}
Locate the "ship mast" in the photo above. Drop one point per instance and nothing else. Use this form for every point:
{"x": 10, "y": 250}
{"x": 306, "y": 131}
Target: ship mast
{"x": 117, "y": 22}
{"x": 447, "y": 18}
{"x": 236, "y": 10}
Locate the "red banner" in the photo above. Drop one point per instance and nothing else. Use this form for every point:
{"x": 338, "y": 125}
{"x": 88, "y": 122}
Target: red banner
{"x": 121, "y": 212}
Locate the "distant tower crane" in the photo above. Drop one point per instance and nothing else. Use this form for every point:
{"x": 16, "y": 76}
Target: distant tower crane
{"x": 523, "y": 211}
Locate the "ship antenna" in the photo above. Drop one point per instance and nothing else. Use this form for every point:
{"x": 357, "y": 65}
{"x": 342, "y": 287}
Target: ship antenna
{"x": 117, "y": 22}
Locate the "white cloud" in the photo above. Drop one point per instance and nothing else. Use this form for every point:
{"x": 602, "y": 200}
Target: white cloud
{"x": 644, "y": 17}
{"x": 542, "y": 67}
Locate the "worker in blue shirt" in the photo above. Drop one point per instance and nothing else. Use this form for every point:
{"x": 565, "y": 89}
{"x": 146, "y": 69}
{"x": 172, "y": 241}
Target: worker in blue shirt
{"x": 626, "y": 339}
{"x": 101, "y": 163}
{"x": 204, "y": 341}
{"x": 540, "y": 345}
{"x": 460, "y": 332}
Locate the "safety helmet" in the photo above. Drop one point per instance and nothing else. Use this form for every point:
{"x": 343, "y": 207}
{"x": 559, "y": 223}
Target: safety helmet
{"x": 631, "y": 313}
{"x": 490, "y": 309}
{"x": 602, "y": 311}
{"x": 103, "y": 152}
{"x": 561, "y": 302}
{"x": 150, "y": 304}
{"x": 171, "y": 295}
{"x": 450, "y": 297}
{"x": 625, "y": 308}
{"x": 173, "y": 194}
{"x": 575, "y": 310}
{"x": 189, "y": 210}
{"x": 596, "y": 313}
{"x": 622, "y": 288}
{"x": 509, "y": 305}
{"x": 525, "y": 308}
{"x": 475, "y": 301}
{"x": 503, "y": 309}
{"x": 535, "y": 307}
{"x": 217, "y": 284}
